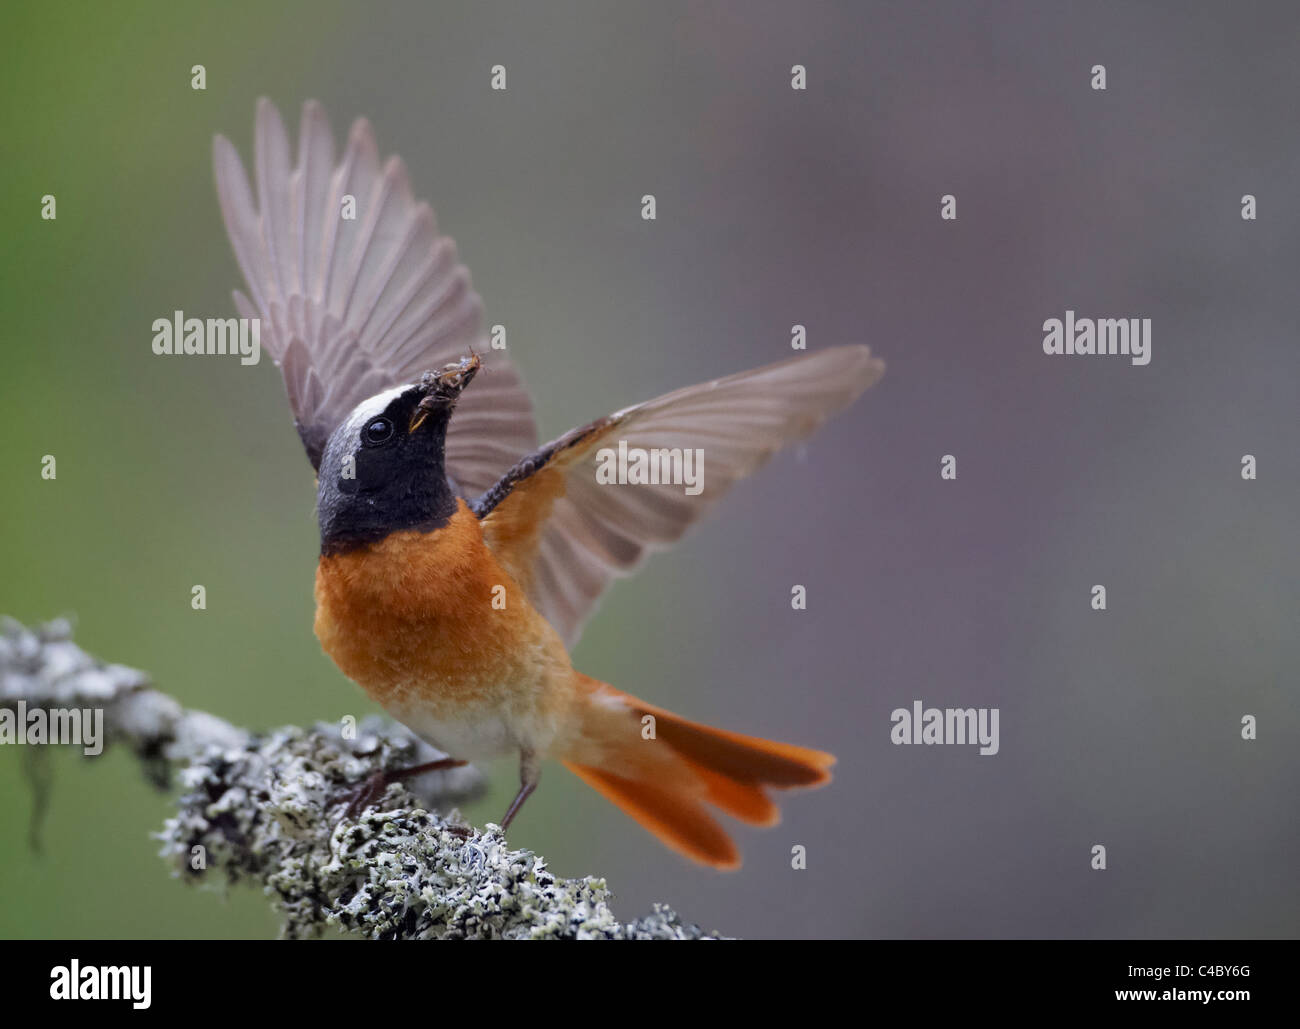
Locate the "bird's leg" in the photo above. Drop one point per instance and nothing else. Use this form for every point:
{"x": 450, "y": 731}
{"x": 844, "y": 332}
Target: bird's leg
{"x": 530, "y": 771}
{"x": 373, "y": 788}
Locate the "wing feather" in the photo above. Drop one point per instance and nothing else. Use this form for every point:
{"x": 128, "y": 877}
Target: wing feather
{"x": 351, "y": 307}
{"x": 580, "y": 533}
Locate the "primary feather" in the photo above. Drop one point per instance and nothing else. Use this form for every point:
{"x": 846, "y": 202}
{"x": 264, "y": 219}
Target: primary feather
{"x": 351, "y": 307}
{"x": 565, "y": 535}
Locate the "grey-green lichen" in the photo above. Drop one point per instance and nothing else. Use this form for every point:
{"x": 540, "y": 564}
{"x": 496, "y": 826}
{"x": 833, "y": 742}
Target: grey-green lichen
{"x": 269, "y": 809}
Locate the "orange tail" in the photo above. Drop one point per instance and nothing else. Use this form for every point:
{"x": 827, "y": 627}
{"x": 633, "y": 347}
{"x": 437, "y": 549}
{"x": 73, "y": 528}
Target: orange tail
{"x": 667, "y": 779}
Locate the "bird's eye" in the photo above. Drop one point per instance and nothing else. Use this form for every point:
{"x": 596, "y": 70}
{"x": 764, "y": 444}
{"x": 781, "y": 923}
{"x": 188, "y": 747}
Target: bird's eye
{"x": 378, "y": 431}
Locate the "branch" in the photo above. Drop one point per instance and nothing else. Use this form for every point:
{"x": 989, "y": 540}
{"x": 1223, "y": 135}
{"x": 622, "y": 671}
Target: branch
{"x": 267, "y": 808}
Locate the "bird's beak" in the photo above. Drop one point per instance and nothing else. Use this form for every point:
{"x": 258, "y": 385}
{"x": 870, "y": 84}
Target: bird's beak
{"x": 444, "y": 387}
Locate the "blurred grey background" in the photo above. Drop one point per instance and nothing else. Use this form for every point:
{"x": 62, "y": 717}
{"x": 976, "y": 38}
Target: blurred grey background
{"x": 775, "y": 207}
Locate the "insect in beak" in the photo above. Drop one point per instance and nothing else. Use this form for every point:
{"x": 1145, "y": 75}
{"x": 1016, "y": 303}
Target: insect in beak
{"x": 444, "y": 387}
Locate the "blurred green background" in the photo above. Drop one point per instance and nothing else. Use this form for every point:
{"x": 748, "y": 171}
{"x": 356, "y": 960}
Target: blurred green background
{"x": 774, "y": 208}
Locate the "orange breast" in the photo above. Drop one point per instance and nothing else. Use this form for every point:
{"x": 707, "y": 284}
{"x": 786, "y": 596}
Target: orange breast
{"x": 411, "y": 619}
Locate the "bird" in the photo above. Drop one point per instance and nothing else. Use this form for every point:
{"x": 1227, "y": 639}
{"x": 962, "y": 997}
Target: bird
{"x": 459, "y": 559}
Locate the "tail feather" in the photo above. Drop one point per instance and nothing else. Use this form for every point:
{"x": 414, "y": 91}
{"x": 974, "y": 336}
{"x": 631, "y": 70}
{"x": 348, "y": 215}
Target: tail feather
{"x": 745, "y": 801}
{"x": 666, "y": 785}
{"x": 747, "y": 759}
{"x": 680, "y": 822}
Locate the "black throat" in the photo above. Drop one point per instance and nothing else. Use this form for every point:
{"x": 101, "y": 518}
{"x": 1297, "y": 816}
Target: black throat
{"x": 383, "y": 490}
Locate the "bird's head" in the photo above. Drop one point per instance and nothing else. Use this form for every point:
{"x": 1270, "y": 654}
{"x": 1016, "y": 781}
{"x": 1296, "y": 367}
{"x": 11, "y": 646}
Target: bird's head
{"x": 383, "y": 466}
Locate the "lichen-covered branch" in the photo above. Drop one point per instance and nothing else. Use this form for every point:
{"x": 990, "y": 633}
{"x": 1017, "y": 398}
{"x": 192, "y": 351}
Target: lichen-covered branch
{"x": 268, "y": 808}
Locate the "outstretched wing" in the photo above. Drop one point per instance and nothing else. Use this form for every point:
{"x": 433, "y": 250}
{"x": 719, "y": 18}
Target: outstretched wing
{"x": 352, "y": 306}
{"x": 563, "y": 534}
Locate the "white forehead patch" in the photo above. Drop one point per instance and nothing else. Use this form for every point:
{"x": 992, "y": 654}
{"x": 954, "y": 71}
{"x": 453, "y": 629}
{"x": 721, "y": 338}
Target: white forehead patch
{"x": 368, "y": 410}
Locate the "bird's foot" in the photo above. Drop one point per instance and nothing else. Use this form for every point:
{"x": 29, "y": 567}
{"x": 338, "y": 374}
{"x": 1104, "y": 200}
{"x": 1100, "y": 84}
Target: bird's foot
{"x": 372, "y": 789}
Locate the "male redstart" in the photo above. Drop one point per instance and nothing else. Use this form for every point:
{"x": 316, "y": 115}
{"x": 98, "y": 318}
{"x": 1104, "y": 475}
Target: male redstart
{"x": 455, "y": 574}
